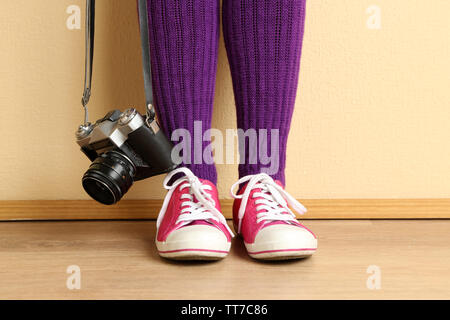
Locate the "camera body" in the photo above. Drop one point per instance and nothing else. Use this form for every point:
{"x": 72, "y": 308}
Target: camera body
{"x": 124, "y": 147}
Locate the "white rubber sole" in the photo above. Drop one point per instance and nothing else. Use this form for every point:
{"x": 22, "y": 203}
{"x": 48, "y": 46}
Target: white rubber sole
{"x": 193, "y": 254}
{"x": 282, "y": 254}
{"x": 282, "y": 242}
{"x": 195, "y": 243}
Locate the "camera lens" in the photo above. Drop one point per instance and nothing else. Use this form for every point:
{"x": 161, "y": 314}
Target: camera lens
{"x": 109, "y": 177}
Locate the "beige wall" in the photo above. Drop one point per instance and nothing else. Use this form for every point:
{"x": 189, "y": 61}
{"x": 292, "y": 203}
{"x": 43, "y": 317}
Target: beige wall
{"x": 371, "y": 120}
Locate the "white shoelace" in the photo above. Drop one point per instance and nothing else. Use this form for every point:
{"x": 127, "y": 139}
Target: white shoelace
{"x": 202, "y": 209}
{"x": 274, "y": 203}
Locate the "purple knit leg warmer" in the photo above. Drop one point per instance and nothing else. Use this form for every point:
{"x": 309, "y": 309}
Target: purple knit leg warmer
{"x": 184, "y": 39}
{"x": 263, "y": 39}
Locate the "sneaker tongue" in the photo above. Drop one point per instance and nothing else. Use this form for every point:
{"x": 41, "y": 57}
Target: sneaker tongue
{"x": 276, "y": 199}
{"x": 208, "y": 194}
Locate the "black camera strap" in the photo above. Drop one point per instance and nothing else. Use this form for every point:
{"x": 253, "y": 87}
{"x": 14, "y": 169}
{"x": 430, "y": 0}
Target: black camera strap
{"x": 89, "y": 57}
{"x": 146, "y": 64}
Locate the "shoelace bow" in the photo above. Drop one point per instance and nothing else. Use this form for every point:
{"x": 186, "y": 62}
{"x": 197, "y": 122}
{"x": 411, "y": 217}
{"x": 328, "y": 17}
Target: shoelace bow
{"x": 202, "y": 209}
{"x": 274, "y": 201}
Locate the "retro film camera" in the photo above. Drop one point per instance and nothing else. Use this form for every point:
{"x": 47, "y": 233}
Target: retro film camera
{"x": 123, "y": 146}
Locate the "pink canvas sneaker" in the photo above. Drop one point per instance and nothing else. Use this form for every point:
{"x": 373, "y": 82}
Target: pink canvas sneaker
{"x": 190, "y": 224}
{"x": 269, "y": 228}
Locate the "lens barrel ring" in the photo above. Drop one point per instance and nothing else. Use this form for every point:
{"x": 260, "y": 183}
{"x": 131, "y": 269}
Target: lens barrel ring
{"x": 109, "y": 177}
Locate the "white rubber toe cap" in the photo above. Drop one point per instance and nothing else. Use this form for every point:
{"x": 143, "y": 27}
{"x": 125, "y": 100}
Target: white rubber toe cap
{"x": 195, "y": 242}
{"x": 282, "y": 241}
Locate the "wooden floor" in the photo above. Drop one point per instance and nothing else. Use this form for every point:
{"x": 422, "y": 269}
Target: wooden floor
{"x": 118, "y": 260}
